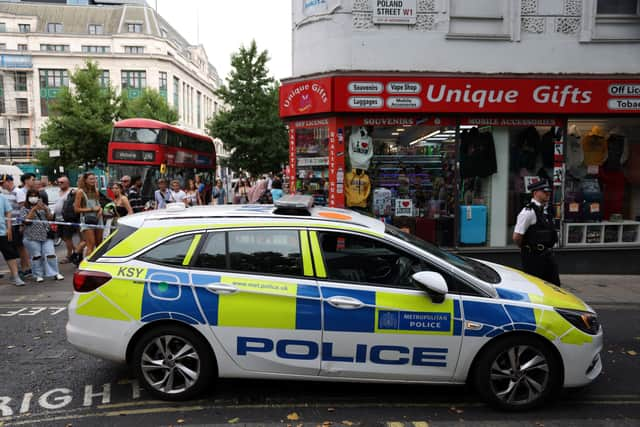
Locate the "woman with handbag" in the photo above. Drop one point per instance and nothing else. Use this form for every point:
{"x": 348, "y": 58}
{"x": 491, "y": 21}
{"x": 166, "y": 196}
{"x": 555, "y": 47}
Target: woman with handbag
{"x": 87, "y": 204}
{"x": 38, "y": 238}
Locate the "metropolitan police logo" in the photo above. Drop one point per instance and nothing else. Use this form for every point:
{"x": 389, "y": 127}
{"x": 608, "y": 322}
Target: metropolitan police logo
{"x": 388, "y": 320}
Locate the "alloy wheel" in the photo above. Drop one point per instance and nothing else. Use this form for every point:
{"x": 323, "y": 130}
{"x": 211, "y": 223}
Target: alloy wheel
{"x": 519, "y": 375}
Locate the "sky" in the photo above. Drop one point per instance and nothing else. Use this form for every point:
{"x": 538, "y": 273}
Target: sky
{"x": 227, "y": 24}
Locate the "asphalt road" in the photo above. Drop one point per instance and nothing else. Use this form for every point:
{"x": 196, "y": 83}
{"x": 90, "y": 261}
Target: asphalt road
{"x": 47, "y": 382}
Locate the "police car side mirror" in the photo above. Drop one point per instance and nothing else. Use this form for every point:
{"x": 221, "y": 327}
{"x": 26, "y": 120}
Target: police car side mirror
{"x": 433, "y": 284}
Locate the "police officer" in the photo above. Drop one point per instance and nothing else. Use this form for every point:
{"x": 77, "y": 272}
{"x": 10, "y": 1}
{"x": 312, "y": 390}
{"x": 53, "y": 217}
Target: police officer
{"x": 536, "y": 235}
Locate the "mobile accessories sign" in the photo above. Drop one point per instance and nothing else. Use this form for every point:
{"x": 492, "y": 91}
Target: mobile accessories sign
{"x": 402, "y": 12}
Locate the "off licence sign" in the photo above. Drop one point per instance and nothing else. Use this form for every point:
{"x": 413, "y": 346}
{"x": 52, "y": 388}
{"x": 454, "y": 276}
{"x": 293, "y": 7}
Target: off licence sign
{"x": 394, "y": 12}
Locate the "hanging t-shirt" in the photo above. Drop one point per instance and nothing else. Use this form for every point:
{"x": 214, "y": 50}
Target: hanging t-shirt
{"x": 382, "y": 202}
{"x": 632, "y": 166}
{"x": 360, "y": 150}
{"x": 357, "y": 188}
{"x": 575, "y": 157}
{"x": 617, "y": 152}
{"x": 612, "y": 191}
{"x": 595, "y": 150}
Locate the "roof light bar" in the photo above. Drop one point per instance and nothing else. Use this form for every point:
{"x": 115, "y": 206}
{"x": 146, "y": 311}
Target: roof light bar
{"x": 295, "y": 201}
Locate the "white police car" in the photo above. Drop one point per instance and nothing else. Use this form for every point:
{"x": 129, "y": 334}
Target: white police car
{"x": 301, "y": 292}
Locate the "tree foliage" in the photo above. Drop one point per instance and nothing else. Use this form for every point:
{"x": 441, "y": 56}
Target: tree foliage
{"x": 80, "y": 120}
{"x": 149, "y": 105}
{"x": 250, "y": 126}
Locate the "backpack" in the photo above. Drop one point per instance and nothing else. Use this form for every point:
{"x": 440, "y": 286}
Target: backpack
{"x": 68, "y": 212}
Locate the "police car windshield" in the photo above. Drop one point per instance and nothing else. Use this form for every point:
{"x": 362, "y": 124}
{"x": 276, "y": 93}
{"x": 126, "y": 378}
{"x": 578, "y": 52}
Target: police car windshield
{"x": 465, "y": 264}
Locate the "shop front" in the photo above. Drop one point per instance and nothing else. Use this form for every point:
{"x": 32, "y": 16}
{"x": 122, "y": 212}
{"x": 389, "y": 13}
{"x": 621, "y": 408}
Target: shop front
{"x": 450, "y": 159}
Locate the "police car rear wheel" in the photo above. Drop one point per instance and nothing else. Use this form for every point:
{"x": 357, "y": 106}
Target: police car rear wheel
{"x": 173, "y": 363}
{"x": 517, "y": 373}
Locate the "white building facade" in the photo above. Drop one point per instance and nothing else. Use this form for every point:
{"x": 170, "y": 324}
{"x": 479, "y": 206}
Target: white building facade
{"x": 436, "y": 115}
{"x": 42, "y": 44}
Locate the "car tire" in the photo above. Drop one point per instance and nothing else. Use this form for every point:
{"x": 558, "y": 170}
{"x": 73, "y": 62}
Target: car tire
{"x": 517, "y": 373}
{"x": 173, "y": 363}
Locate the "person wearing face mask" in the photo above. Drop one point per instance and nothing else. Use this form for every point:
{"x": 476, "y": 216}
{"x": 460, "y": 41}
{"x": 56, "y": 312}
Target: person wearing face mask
{"x": 38, "y": 238}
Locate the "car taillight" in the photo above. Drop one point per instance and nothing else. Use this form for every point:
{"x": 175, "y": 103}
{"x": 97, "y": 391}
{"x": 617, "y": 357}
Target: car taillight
{"x": 87, "y": 281}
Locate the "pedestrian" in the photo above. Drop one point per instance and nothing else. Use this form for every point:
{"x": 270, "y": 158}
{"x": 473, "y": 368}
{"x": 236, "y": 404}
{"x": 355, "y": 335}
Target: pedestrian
{"x": 218, "y": 194}
{"x": 241, "y": 192}
{"x": 192, "y": 197}
{"x": 66, "y": 231}
{"x": 7, "y": 247}
{"x": 29, "y": 182}
{"x": 276, "y": 189}
{"x": 162, "y": 196}
{"x": 12, "y": 193}
{"x": 126, "y": 183}
{"x": 87, "y": 204}
{"x": 120, "y": 201}
{"x": 257, "y": 190}
{"x": 176, "y": 193}
{"x": 134, "y": 194}
{"x": 536, "y": 235}
{"x": 38, "y": 238}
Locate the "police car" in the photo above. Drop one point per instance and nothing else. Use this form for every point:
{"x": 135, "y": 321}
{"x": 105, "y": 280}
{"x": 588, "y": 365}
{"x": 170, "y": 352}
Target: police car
{"x": 293, "y": 291}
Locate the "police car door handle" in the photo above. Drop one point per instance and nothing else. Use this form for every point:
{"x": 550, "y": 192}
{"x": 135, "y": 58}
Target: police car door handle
{"x": 222, "y": 288}
{"x": 347, "y": 303}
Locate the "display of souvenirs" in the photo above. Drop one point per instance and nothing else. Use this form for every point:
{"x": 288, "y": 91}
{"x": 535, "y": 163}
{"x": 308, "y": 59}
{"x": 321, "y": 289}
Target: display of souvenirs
{"x": 594, "y": 146}
{"x": 360, "y": 148}
{"x": 357, "y": 188}
{"x": 382, "y": 202}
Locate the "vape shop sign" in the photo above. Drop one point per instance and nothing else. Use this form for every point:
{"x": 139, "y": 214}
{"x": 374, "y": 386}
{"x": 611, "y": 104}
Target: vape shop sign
{"x": 394, "y": 12}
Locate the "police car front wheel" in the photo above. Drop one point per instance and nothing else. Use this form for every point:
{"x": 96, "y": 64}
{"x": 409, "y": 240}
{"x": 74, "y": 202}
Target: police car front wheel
{"x": 517, "y": 373}
{"x": 173, "y": 363}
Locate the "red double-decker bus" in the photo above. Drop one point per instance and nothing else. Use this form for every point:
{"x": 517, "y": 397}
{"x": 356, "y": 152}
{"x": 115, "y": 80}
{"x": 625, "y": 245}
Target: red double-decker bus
{"x": 153, "y": 149}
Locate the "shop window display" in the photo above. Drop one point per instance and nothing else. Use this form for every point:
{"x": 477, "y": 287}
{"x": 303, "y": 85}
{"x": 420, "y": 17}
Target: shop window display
{"x": 404, "y": 175}
{"x": 602, "y": 186}
{"x": 312, "y": 163}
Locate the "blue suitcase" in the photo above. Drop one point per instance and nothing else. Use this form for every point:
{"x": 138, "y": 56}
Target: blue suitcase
{"x": 473, "y": 224}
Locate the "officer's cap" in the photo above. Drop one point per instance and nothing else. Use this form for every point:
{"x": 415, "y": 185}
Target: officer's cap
{"x": 541, "y": 185}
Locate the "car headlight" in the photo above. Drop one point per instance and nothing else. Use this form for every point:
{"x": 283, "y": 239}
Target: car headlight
{"x": 584, "y": 320}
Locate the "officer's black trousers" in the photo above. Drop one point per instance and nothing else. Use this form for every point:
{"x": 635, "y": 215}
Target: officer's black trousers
{"x": 540, "y": 264}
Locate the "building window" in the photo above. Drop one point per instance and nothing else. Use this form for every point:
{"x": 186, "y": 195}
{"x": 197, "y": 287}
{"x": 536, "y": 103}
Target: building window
{"x": 54, "y": 47}
{"x": 3, "y": 136}
{"x": 24, "y": 28}
{"x": 96, "y": 49}
{"x": 163, "y": 80}
{"x": 3, "y": 27}
{"x": 2, "y": 110}
{"x": 23, "y": 136}
{"x": 139, "y": 50}
{"x": 22, "y": 46}
{"x": 134, "y": 79}
{"x": 54, "y": 27}
{"x": 105, "y": 80}
{"x": 96, "y": 29}
{"x": 78, "y": 2}
{"x": 176, "y": 93}
{"x": 22, "y": 106}
{"x": 198, "y": 108}
{"x": 21, "y": 81}
{"x": 3, "y": 46}
{"x": 134, "y": 28}
{"x": 618, "y": 7}
{"x": 50, "y": 83}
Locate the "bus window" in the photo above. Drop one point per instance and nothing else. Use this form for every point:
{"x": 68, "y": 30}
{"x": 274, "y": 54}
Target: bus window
{"x": 148, "y": 136}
